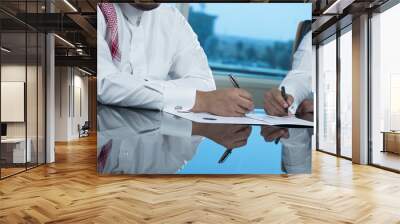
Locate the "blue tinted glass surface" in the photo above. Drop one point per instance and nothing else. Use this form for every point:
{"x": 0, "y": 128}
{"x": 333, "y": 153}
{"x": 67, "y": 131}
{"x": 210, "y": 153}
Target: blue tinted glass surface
{"x": 151, "y": 142}
{"x": 256, "y": 157}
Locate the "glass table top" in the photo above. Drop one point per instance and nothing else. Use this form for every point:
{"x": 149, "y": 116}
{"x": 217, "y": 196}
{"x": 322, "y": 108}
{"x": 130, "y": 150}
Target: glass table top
{"x": 134, "y": 141}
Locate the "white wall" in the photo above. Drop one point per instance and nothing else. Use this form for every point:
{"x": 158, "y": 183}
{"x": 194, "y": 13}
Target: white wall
{"x": 70, "y": 83}
{"x": 80, "y": 89}
{"x": 61, "y": 103}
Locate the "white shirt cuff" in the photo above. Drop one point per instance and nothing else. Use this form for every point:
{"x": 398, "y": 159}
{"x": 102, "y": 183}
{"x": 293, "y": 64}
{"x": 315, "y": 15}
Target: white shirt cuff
{"x": 292, "y": 91}
{"x": 179, "y": 98}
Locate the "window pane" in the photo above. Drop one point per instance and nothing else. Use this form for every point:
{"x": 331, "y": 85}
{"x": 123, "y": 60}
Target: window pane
{"x": 327, "y": 96}
{"x": 229, "y": 42}
{"x": 252, "y": 41}
{"x": 346, "y": 94}
{"x": 386, "y": 89}
{"x": 13, "y": 87}
{"x": 22, "y": 89}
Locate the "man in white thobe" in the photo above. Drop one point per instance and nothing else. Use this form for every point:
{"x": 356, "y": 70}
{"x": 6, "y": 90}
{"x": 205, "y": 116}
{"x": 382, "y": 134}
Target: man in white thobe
{"x": 149, "y": 57}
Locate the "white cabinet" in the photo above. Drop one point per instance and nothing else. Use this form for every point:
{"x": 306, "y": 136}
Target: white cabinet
{"x": 15, "y": 147}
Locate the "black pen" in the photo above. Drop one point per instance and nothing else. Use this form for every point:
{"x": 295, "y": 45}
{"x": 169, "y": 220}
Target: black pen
{"x": 229, "y": 151}
{"x": 283, "y": 92}
{"x": 234, "y": 82}
{"x": 225, "y": 155}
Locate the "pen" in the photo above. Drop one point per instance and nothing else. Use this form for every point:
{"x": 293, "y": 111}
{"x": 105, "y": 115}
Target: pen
{"x": 234, "y": 82}
{"x": 283, "y": 92}
{"x": 225, "y": 155}
{"x": 229, "y": 151}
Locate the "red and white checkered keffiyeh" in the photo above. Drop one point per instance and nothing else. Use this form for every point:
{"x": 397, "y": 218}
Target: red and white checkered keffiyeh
{"x": 110, "y": 16}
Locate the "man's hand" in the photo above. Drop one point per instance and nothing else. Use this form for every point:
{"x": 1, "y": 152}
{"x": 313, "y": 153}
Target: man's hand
{"x": 228, "y": 135}
{"x": 271, "y": 133}
{"x": 275, "y": 104}
{"x": 232, "y": 102}
{"x": 307, "y": 106}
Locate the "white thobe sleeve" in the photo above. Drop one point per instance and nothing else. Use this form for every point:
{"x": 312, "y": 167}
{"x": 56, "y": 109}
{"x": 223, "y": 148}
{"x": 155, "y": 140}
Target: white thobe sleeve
{"x": 298, "y": 82}
{"x": 189, "y": 72}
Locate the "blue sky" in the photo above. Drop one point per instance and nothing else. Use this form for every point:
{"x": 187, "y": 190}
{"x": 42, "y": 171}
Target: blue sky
{"x": 275, "y": 21}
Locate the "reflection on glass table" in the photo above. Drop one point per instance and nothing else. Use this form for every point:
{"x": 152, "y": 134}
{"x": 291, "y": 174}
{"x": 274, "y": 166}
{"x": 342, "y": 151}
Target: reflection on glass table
{"x": 134, "y": 141}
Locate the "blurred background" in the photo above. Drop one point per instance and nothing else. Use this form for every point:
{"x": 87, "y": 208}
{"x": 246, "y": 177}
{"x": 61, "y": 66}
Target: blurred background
{"x": 252, "y": 41}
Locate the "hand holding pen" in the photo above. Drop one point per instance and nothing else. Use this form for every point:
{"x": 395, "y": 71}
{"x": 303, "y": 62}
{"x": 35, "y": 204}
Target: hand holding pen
{"x": 277, "y": 102}
{"x": 230, "y": 136}
{"x": 274, "y": 133}
{"x": 228, "y": 151}
{"x": 229, "y": 102}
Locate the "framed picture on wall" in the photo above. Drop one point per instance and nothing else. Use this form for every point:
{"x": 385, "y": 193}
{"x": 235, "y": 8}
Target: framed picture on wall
{"x": 12, "y": 101}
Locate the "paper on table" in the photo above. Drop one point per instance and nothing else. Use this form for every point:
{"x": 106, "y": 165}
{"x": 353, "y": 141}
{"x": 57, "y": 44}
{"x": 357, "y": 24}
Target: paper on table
{"x": 273, "y": 120}
{"x": 209, "y": 118}
{"x": 257, "y": 117}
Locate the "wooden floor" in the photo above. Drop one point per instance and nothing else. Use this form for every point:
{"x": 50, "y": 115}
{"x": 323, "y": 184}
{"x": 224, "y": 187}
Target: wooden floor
{"x": 70, "y": 191}
{"x": 387, "y": 159}
{"x": 5, "y": 172}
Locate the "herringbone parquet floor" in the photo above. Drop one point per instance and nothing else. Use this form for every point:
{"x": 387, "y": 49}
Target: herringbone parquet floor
{"x": 70, "y": 191}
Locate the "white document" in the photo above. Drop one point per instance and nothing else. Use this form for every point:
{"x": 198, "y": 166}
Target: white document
{"x": 273, "y": 120}
{"x": 257, "y": 117}
{"x": 209, "y": 118}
